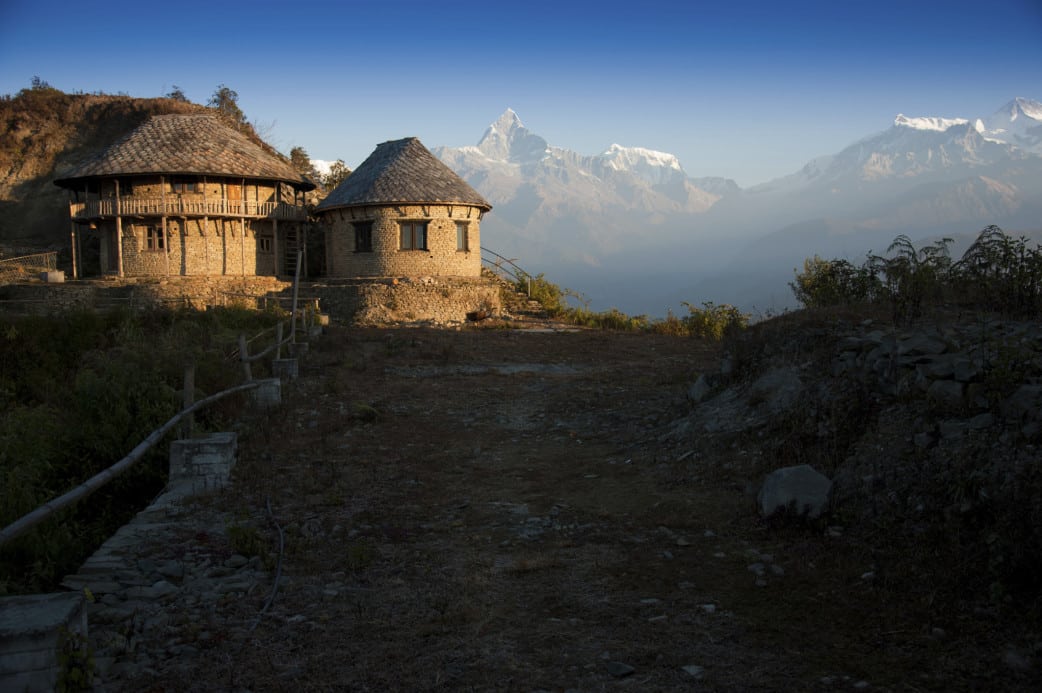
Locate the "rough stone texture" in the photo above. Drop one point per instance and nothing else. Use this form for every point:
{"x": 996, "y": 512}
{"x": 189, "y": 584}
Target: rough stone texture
{"x": 31, "y": 632}
{"x": 440, "y": 258}
{"x": 800, "y": 487}
{"x": 197, "y": 292}
{"x": 425, "y": 299}
{"x": 203, "y": 464}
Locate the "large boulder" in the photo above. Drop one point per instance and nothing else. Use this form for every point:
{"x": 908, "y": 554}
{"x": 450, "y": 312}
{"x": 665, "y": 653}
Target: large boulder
{"x": 801, "y": 488}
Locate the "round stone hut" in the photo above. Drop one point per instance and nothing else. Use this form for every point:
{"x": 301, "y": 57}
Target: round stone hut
{"x": 403, "y": 213}
{"x": 188, "y": 195}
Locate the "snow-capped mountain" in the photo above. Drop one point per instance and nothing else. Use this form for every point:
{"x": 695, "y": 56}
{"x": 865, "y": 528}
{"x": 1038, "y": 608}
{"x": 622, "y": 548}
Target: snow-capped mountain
{"x": 1018, "y": 123}
{"x": 629, "y": 221}
{"x": 574, "y": 206}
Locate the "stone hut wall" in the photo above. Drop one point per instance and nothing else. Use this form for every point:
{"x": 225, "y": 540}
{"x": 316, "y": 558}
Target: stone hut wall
{"x": 387, "y": 259}
{"x": 430, "y": 299}
{"x": 39, "y": 298}
{"x": 216, "y": 247}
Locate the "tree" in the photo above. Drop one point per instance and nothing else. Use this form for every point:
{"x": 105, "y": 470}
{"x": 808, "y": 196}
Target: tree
{"x": 338, "y": 173}
{"x": 226, "y": 102}
{"x": 177, "y": 94}
{"x": 301, "y": 163}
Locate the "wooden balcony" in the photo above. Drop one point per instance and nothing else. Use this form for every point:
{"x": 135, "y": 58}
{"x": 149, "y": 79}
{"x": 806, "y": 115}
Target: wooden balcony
{"x": 181, "y": 207}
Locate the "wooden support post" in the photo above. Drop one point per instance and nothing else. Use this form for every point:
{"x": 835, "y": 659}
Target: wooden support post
{"x": 278, "y": 340}
{"x": 296, "y": 288}
{"x": 244, "y": 357}
{"x": 72, "y": 232}
{"x": 119, "y": 232}
{"x": 189, "y": 399}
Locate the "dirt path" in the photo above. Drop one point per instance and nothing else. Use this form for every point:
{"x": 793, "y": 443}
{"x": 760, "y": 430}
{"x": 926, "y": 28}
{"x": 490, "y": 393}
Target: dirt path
{"x": 506, "y": 510}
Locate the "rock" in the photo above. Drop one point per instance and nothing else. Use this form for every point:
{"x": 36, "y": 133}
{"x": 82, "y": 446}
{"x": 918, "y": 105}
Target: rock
{"x": 921, "y": 344}
{"x": 777, "y": 390}
{"x": 619, "y": 669}
{"x": 694, "y": 670}
{"x": 800, "y": 487}
{"x": 700, "y": 390}
{"x": 946, "y": 393}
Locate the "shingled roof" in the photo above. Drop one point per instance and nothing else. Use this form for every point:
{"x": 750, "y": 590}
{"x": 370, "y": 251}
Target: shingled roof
{"x": 402, "y": 172}
{"x": 197, "y": 144}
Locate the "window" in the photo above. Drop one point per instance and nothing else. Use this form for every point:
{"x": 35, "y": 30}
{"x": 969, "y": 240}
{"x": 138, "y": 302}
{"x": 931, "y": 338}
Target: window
{"x": 184, "y": 185}
{"x": 364, "y": 237}
{"x": 154, "y": 238}
{"x": 414, "y": 235}
{"x": 264, "y": 244}
{"x": 461, "y": 236}
{"x": 126, "y": 187}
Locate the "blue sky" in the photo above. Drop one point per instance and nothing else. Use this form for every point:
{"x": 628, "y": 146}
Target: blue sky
{"x": 744, "y": 89}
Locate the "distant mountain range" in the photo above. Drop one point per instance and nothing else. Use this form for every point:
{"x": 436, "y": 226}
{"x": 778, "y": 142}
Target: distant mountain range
{"x": 630, "y": 229}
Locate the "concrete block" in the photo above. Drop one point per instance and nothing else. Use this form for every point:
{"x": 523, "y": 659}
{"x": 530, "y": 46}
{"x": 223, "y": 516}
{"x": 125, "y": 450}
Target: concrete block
{"x": 268, "y": 393}
{"x": 33, "y": 630}
{"x": 285, "y": 368}
{"x": 204, "y": 464}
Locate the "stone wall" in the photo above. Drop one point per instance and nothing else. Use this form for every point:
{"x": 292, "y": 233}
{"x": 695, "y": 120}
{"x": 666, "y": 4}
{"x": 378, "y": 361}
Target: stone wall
{"x": 435, "y": 300}
{"x": 441, "y": 257}
{"x": 197, "y": 292}
{"x": 197, "y": 247}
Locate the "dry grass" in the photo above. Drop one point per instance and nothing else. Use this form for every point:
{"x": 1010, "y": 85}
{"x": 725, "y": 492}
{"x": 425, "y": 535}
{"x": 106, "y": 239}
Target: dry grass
{"x": 492, "y": 531}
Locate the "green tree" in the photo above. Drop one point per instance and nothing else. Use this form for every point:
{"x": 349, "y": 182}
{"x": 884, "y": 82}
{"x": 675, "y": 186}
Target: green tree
{"x": 176, "y": 93}
{"x": 338, "y": 173}
{"x": 301, "y": 163}
{"x": 226, "y": 102}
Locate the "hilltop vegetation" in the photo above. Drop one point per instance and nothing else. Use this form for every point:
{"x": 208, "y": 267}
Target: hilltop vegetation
{"x": 44, "y": 132}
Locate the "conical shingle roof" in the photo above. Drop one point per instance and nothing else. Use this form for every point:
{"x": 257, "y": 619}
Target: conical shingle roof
{"x": 197, "y": 144}
{"x": 402, "y": 172}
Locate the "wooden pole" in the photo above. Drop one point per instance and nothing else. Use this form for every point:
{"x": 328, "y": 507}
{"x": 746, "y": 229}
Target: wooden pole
{"x": 244, "y": 357}
{"x": 189, "y": 400}
{"x": 119, "y": 232}
{"x": 296, "y": 288}
{"x": 278, "y": 340}
{"x": 91, "y": 485}
{"x": 72, "y": 232}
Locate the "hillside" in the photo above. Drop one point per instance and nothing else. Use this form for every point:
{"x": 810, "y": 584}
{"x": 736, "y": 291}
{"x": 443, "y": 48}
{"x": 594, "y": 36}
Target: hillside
{"x": 520, "y": 510}
{"x": 44, "y": 132}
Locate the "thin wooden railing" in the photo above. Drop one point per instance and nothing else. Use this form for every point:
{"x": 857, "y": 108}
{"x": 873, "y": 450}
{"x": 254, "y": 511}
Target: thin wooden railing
{"x": 179, "y": 206}
{"x": 505, "y": 268}
{"x": 27, "y": 522}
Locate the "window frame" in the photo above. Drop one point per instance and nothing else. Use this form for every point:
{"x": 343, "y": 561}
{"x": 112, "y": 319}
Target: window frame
{"x": 265, "y": 245}
{"x": 408, "y": 229}
{"x": 182, "y": 185}
{"x": 155, "y": 239}
{"x": 462, "y": 237}
{"x": 363, "y": 232}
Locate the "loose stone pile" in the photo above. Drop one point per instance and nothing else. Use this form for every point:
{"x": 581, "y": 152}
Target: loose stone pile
{"x": 157, "y": 575}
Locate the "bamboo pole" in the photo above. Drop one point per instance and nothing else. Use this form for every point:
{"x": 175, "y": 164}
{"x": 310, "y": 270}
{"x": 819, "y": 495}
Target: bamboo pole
{"x": 244, "y": 358}
{"x": 91, "y": 485}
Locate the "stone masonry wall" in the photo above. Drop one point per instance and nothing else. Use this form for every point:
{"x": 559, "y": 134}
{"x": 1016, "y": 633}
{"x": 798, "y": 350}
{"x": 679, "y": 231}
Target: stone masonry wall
{"x": 430, "y": 299}
{"x": 217, "y": 247}
{"x": 196, "y": 292}
{"x": 440, "y": 258}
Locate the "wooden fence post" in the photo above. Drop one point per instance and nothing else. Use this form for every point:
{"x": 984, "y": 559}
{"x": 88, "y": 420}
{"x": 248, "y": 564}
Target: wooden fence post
{"x": 244, "y": 357}
{"x": 189, "y": 400}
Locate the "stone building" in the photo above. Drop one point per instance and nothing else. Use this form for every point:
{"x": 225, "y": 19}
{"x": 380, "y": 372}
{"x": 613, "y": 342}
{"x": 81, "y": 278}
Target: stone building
{"x": 187, "y": 195}
{"x": 403, "y": 213}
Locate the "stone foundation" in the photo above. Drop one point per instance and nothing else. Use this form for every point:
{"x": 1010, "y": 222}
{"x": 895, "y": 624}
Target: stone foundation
{"x": 383, "y": 301}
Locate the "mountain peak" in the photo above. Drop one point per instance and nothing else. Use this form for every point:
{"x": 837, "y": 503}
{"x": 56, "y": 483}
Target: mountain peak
{"x": 927, "y": 123}
{"x": 1021, "y": 106}
{"x": 508, "y": 139}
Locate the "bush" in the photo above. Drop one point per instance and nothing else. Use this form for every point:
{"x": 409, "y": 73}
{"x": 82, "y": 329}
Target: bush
{"x": 996, "y": 273}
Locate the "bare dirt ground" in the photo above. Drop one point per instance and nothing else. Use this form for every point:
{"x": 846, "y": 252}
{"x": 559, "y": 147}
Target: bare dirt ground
{"x": 495, "y": 509}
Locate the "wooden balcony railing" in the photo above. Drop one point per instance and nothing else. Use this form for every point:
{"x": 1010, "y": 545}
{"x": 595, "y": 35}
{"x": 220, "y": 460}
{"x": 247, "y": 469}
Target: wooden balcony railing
{"x": 181, "y": 207}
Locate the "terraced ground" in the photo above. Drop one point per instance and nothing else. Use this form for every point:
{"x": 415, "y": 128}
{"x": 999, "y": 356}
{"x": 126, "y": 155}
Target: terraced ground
{"x": 493, "y": 509}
